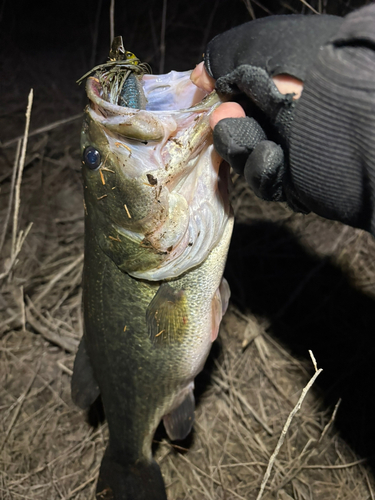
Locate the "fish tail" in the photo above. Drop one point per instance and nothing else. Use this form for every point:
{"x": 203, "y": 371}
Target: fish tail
{"x": 129, "y": 481}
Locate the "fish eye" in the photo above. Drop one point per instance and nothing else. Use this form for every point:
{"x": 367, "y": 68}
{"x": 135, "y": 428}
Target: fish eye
{"x": 91, "y": 157}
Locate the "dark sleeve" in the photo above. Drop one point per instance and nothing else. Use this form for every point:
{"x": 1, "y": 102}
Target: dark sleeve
{"x": 332, "y": 144}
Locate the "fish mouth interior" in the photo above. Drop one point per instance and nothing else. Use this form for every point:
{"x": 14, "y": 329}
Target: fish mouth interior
{"x": 173, "y": 91}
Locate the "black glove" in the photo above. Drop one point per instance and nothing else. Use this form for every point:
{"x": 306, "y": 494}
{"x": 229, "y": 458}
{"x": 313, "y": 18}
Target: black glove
{"x": 243, "y": 60}
{"x": 315, "y": 159}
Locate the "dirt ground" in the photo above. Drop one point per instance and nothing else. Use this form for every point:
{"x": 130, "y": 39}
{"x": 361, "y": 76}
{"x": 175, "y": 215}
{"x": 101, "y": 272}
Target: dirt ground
{"x": 298, "y": 283}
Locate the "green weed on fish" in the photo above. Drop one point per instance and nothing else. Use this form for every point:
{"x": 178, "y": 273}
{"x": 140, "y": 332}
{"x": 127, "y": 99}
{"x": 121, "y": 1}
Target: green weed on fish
{"x": 120, "y": 77}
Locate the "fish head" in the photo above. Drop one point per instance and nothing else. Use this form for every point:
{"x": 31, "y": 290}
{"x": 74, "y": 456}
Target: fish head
{"x": 151, "y": 176}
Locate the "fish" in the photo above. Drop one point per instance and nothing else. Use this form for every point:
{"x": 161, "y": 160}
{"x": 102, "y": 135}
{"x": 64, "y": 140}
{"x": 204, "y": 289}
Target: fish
{"x": 158, "y": 224}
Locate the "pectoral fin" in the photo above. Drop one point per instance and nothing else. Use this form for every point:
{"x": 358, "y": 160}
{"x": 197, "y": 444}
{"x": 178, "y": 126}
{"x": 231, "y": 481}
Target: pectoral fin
{"x": 166, "y": 316}
{"x": 179, "y": 422}
{"x": 225, "y": 295}
{"x": 85, "y": 389}
{"x": 219, "y": 306}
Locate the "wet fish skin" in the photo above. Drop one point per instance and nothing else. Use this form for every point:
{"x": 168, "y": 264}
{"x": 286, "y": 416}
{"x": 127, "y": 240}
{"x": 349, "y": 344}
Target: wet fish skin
{"x": 145, "y": 339}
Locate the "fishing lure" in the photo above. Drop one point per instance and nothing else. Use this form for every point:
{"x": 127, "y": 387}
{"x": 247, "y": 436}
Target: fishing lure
{"x": 120, "y": 77}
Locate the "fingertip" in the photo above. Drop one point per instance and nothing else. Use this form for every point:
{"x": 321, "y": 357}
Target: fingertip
{"x": 287, "y": 84}
{"x": 201, "y": 78}
{"x": 226, "y": 110}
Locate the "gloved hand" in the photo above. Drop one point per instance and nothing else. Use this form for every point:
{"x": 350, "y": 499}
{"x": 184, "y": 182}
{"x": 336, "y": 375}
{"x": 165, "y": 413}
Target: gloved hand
{"x": 243, "y": 60}
{"x": 314, "y": 160}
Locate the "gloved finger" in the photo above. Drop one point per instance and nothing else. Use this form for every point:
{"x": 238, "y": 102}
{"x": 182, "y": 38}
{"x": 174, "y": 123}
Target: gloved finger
{"x": 257, "y": 84}
{"x": 264, "y": 171}
{"x": 278, "y": 44}
{"x": 235, "y": 139}
{"x": 286, "y": 84}
{"x": 267, "y": 176}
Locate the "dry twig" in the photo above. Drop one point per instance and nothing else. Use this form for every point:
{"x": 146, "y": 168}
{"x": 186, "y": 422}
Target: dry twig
{"x": 285, "y": 430}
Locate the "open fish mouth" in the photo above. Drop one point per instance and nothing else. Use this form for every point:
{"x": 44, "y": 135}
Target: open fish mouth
{"x": 158, "y": 96}
{"x": 159, "y": 186}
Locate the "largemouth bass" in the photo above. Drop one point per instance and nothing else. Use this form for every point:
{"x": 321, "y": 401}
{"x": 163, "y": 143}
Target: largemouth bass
{"x": 157, "y": 228}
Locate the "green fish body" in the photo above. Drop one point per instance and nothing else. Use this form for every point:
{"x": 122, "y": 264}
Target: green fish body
{"x": 157, "y": 230}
